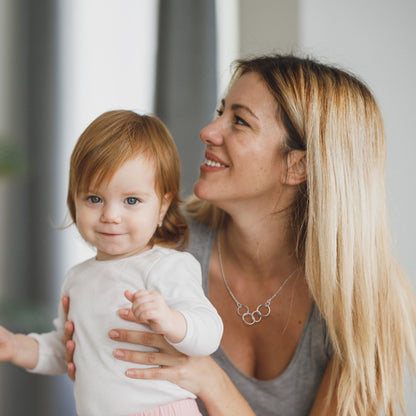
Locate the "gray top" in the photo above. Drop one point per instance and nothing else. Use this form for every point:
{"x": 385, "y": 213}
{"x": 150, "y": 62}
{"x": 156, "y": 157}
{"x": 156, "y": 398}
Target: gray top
{"x": 293, "y": 392}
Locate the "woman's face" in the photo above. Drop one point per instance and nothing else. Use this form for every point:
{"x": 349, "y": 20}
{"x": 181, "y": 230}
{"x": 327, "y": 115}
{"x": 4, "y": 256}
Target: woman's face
{"x": 243, "y": 159}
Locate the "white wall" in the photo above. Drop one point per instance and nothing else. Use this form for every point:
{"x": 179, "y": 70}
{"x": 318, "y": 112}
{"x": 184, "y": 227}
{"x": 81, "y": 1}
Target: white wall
{"x": 268, "y": 26}
{"x": 376, "y": 39}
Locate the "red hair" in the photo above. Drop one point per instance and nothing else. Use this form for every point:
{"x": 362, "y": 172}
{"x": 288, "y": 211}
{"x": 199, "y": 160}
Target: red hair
{"x": 111, "y": 140}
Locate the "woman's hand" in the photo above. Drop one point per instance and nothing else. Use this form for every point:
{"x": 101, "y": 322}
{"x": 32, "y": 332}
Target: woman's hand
{"x": 67, "y": 340}
{"x": 170, "y": 364}
{"x": 199, "y": 375}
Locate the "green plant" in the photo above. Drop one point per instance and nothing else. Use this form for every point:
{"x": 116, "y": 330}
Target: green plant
{"x": 12, "y": 159}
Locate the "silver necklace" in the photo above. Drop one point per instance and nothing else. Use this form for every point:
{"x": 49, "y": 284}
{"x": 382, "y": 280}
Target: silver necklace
{"x": 263, "y": 310}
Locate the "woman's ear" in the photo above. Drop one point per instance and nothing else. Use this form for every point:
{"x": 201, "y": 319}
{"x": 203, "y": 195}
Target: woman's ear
{"x": 296, "y": 168}
{"x": 164, "y": 205}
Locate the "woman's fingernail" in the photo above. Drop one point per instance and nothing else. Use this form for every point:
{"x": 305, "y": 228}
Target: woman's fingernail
{"x": 123, "y": 312}
{"x": 118, "y": 354}
{"x": 114, "y": 334}
{"x": 130, "y": 373}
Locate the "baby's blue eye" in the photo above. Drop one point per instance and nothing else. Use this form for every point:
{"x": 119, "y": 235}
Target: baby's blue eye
{"x": 94, "y": 199}
{"x": 132, "y": 200}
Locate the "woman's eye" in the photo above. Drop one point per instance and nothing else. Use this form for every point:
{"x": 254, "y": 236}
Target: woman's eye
{"x": 237, "y": 119}
{"x": 240, "y": 121}
{"x": 132, "y": 200}
{"x": 94, "y": 199}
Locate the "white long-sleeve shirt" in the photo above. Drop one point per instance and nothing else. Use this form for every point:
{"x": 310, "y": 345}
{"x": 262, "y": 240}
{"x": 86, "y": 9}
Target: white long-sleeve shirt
{"x": 96, "y": 291}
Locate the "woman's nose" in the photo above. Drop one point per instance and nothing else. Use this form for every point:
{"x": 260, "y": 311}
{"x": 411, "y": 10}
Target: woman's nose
{"x": 110, "y": 214}
{"x": 212, "y": 133}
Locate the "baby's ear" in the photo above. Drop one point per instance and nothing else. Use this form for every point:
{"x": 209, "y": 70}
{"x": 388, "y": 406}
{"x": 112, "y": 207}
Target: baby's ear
{"x": 296, "y": 167}
{"x": 164, "y": 204}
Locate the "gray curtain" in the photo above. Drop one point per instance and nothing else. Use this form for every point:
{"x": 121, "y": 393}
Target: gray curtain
{"x": 186, "y": 87}
{"x": 28, "y": 299}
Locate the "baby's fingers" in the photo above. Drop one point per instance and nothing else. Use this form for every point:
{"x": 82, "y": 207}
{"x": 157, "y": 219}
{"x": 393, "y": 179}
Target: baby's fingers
{"x": 127, "y": 315}
{"x": 140, "y": 294}
{"x": 129, "y": 295}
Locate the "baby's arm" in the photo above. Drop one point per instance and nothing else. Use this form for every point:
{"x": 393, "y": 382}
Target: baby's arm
{"x": 150, "y": 308}
{"x": 177, "y": 277}
{"x": 19, "y": 349}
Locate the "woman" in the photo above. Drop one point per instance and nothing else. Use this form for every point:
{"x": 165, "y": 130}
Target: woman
{"x": 289, "y": 219}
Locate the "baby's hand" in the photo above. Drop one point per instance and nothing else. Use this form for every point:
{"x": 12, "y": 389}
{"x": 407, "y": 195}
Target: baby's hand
{"x": 7, "y": 345}
{"x": 19, "y": 349}
{"x": 150, "y": 308}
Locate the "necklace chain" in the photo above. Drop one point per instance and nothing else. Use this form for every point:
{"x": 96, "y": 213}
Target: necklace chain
{"x": 263, "y": 310}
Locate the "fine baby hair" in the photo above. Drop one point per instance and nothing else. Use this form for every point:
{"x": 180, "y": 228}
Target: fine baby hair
{"x": 112, "y": 139}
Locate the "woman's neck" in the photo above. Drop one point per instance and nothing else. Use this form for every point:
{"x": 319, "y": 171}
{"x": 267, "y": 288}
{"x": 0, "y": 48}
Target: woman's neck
{"x": 264, "y": 248}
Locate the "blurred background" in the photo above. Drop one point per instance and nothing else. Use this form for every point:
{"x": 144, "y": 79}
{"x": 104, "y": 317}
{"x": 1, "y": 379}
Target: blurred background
{"x": 64, "y": 62}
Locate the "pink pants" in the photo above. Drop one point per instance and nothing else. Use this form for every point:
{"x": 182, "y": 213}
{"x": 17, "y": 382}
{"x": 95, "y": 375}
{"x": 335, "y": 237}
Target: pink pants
{"x": 186, "y": 407}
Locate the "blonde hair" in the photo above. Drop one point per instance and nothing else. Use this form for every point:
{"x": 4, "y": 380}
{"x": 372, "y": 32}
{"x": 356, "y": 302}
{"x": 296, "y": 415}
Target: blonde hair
{"x": 112, "y": 139}
{"x": 340, "y": 222}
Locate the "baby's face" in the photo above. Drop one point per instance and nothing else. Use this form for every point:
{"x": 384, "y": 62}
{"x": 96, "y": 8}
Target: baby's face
{"x": 120, "y": 218}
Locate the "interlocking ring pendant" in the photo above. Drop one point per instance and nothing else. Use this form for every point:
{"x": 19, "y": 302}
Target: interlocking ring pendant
{"x": 251, "y": 318}
{"x": 263, "y": 310}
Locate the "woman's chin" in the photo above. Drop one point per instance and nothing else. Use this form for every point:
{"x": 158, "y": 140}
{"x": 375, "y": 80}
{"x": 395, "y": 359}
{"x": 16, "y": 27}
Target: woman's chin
{"x": 199, "y": 189}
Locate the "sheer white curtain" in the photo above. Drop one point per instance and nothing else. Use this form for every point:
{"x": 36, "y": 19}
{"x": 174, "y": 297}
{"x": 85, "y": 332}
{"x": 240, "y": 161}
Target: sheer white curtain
{"x": 107, "y": 61}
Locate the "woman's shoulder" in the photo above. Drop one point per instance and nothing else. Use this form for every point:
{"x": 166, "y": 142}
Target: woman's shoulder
{"x": 319, "y": 331}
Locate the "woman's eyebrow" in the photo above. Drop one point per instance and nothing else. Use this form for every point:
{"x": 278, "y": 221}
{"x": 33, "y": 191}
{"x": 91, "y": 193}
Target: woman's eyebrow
{"x": 239, "y": 107}
{"x": 243, "y": 107}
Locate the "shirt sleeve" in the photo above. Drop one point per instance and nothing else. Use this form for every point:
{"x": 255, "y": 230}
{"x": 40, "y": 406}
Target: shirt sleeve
{"x": 51, "y": 360}
{"x": 177, "y": 277}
